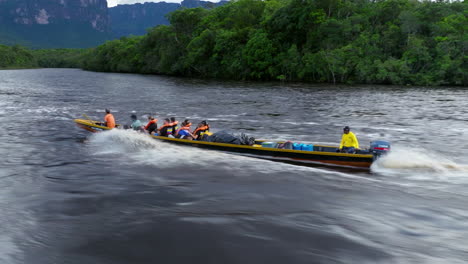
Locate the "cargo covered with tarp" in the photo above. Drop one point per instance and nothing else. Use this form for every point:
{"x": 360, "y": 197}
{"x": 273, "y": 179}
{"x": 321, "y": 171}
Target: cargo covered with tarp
{"x": 230, "y": 138}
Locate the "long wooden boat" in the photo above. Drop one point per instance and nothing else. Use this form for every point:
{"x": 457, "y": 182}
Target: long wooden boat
{"x": 320, "y": 154}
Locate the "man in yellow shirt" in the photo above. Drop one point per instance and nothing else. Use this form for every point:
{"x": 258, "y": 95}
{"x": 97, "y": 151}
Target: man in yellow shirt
{"x": 349, "y": 142}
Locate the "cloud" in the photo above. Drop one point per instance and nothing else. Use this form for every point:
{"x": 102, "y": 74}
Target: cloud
{"x": 112, "y": 3}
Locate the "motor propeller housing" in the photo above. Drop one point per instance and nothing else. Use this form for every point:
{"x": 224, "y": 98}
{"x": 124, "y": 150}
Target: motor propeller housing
{"x": 379, "y": 148}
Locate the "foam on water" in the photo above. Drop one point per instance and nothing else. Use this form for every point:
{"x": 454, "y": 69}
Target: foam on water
{"x": 140, "y": 149}
{"x": 145, "y": 150}
{"x": 411, "y": 158}
{"x": 420, "y": 164}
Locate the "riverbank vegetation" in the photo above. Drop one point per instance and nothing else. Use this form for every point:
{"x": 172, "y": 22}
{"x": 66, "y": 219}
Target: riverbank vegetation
{"x": 403, "y": 42}
{"x": 19, "y": 57}
{"x": 16, "y": 57}
{"x": 59, "y": 58}
{"x": 333, "y": 41}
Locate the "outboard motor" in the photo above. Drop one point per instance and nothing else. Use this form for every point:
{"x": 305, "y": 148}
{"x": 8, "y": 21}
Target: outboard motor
{"x": 379, "y": 148}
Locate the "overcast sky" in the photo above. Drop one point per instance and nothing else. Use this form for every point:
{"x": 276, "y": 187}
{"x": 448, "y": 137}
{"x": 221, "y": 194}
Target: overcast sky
{"x": 112, "y": 3}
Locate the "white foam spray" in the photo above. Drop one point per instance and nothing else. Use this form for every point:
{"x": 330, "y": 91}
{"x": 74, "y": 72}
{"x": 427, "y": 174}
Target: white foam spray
{"x": 144, "y": 150}
{"x": 420, "y": 164}
{"x": 417, "y": 158}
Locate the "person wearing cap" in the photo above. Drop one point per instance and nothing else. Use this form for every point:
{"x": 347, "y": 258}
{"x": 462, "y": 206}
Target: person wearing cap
{"x": 109, "y": 120}
{"x": 349, "y": 142}
{"x": 202, "y": 128}
{"x": 136, "y": 124}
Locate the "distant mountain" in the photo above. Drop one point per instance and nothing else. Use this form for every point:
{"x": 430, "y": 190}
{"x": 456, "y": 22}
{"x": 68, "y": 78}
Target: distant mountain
{"x": 137, "y": 18}
{"x": 80, "y": 23}
{"x": 54, "y": 23}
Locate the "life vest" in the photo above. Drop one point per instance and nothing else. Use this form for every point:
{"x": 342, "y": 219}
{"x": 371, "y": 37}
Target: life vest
{"x": 152, "y": 125}
{"x": 163, "y": 131}
{"x": 175, "y": 126}
{"x": 200, "y": 131}
{"x": 172, "y": 127}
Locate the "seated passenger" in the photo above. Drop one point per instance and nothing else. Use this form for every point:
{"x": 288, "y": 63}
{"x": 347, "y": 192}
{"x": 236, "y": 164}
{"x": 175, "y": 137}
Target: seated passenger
{"x": 174, "y": 126}
{"x": 184, "y": 132}
{"x": 136, "y": 124}
{"x": 152, "y": 126}
{"x": 109, "y": 120}
{"x": 202, "y": 129}
{"x": 349, "y": 142}
{"x": 163, "y": 129}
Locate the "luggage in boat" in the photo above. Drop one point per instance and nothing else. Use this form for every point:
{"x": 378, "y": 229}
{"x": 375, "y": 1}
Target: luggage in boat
{"x": 302, "y": 146}
{"x": 307, "y": 147}
{"x": 269, "y": 144}
{"x": 246, "y": 140}
{"x": 297, "y": 146}
{"x": 226, "y": 137}
{"x": 285, "y": 145}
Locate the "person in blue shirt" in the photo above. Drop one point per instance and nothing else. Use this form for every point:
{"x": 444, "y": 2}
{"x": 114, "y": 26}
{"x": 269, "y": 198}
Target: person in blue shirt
{"x": 136, "y": 124}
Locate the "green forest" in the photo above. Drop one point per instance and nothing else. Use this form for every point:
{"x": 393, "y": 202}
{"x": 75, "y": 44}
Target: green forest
{"x": 16, "y": 57}
{"x": 19, "y": 57}
{"x": 401, "y": 42}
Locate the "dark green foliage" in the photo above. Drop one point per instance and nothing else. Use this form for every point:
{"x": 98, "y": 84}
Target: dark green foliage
{"x": 121, "y": 55}
{"x": 402, "y": 42}
{"x": 59, "y": 58}
{"x": 20, "y": 57}
{"x": 16, "y": 57}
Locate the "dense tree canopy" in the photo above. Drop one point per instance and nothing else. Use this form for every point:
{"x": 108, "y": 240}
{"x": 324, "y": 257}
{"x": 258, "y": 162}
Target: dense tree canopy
{"x": 21, "y": 57}
{"x": 16, "y": 57}
{"x": 405, "y": 42}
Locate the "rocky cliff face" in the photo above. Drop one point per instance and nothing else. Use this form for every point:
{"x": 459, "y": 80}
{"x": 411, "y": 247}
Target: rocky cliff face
{"x": 80, "y": 23}
{"x": 46, "y": 12}
{"x": 198, "y": 3}
{"x": 54, "y": 23}
{"x": 137, "y": 18}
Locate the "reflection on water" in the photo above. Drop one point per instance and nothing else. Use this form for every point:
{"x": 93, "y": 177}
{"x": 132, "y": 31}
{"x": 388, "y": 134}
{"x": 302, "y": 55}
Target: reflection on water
{"x": 120, "y": 197}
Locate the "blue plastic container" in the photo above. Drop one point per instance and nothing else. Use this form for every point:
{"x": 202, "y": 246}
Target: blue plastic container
{"x": 269, "y": 144}
{"x": 297, "y": 146}
{"x": 307, "y": 147}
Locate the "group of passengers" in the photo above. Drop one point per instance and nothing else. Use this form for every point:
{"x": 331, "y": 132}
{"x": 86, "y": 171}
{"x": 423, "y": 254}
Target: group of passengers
{"x": 171, "y": 128}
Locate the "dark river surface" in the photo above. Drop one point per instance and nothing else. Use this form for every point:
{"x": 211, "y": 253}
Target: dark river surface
{"x": 67, "y": 196}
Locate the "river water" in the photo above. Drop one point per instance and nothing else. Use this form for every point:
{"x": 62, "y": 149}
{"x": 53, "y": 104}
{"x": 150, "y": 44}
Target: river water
{"x": 67, "y": 196}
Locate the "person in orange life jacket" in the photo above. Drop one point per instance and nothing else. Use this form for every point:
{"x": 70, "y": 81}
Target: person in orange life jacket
{"x": 202, "y": 128}
{"x": 174, "y": 125}
{"x": 109, "y": 120}
{"x": 349, "y": 142}
{"x": 184, "y": 132}
{"x": 152, "y": 125}
{"x": 163, "y": 129}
